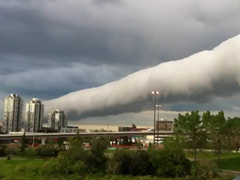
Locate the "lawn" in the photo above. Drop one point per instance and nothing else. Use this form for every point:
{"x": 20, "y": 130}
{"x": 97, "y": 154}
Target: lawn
{"x": 212, "y": 156}
{"x": 230, "y": 164}
{"x": 228, "y": 160}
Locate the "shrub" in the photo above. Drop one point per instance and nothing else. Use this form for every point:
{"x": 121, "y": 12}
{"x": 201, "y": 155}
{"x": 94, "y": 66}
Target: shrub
{"x": 120, "y": 162}
{"x": 2, "y": 150}
{"x": 50, "y": 167}
{"x": 30, "y": 152}
{"x": 169, "y": 163}
{"x": 204, "y": 170}
{"x": 20, "y": 168}
{"x": 11, "y": 150}
{"x": 45, "y": 151}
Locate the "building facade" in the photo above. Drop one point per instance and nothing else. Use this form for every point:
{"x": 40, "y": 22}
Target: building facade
{"x": 34, "y": 115}
{"x": 71, "y": 129}
{"x": 12, "y": 115}
{"x": 164, "y": 125}
{"x": 57, "y": 119}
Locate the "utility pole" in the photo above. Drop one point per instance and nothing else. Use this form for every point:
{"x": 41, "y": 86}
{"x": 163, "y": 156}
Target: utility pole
{"x": 154, "y": 119}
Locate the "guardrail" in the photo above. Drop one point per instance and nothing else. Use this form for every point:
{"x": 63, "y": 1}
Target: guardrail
{"x": 92, "y": 134}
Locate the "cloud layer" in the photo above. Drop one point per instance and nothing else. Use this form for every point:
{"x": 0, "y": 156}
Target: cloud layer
{"x": 198, "y": 78}
{"x": 50, "y": 48}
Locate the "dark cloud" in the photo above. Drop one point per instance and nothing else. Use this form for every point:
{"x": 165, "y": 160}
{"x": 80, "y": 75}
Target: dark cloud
{"x": 50, "y": 48}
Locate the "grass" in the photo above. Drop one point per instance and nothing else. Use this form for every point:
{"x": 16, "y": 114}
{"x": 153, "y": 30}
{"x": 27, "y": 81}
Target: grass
{"x": 228, "y": 160}
{"x": 16, "y": 169}
{"x": 230, "y": 164}
{"x": 212, "y": 156}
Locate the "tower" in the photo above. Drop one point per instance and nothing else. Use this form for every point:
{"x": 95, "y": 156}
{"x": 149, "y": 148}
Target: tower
{"x": 34, "y": 115}
{"x": 12, "y": 115}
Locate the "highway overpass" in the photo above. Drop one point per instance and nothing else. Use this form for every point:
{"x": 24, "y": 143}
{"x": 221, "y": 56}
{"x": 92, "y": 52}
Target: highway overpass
{"x": 18, "y": 135}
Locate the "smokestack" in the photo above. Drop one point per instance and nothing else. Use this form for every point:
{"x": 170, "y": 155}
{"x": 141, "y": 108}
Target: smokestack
{"x": 199, "y": 78}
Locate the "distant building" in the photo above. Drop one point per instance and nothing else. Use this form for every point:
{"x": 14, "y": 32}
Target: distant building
{"x": 1, "y": 127}
{"x": 57, "y": 119}
{"x": 12, "y": 115}
{"x": 132, "y": 128}
{"x": 164, "y": 125}
{"x": 71, "y": 129}
{"x": 34, "y": 115}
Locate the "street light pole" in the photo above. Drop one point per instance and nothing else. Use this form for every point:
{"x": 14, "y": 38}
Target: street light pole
{"x": 154, "y": 119}
{"x": 158, "y": 106}
{"x": 33, "y": 133}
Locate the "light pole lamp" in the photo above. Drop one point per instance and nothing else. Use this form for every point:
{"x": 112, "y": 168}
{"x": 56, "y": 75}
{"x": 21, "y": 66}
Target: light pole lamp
{"x": 158, "y": 106}
{"x": 154, "y": 117}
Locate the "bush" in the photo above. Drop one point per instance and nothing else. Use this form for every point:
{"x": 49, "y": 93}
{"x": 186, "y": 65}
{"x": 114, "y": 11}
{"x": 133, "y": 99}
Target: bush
{"x": 204, "y": 170}
{"x": 11, "y": 150}
{"x": 50, "y": 167}
{"x": 45, "y": 151}
{"x": 30, "y": 152}
{"x": 169, "y": 163}
{"x": 20, "y": 168}
{"x": 2, "y": 150}
{"x": 120, "y": 162}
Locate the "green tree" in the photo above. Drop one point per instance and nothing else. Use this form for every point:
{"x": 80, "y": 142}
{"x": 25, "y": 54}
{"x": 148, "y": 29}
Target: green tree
{"x": 96, "y": 161}
{"x": 174, "y": 142}
{"x": 191, "y": 125}
{"x": 233, "y": 133}
{"x": 169, "y": 163}
{"x": 120, "y": 162}
{"x": 23, "y": 143}
{"x": 216, "y": 127}
{"x": 80, "y": 168}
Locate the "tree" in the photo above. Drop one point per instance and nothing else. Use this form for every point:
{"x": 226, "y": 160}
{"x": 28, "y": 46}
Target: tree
{"x": 174, "y": 142}
{"x": 80, "y": 168}
{"x": 216, "y": 128}
{"x": 169, "y": 163}
{"x": 23, "y": 143}
{"x": 191, "y": 125}
{"x": 96, "y": 161}
{"x": 233, "y": 132}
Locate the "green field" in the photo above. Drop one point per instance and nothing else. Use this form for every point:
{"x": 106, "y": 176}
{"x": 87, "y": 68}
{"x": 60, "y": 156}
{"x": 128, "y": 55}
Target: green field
{"x": 31, "y": 170}
{"x": 212, "y": 156}
{"x": 228, "y": 160}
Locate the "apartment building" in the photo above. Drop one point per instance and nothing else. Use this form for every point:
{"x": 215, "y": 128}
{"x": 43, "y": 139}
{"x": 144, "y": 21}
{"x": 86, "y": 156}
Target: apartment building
{"x": 34, "y": 115}
{"x": 57, "y": 119}
{"x": 12, "y": 115}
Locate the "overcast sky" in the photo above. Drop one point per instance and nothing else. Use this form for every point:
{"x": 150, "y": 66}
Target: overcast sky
{"x": 49, "y": 48}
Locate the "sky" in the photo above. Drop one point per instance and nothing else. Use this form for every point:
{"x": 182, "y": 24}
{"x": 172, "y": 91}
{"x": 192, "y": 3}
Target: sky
{"x": 50, "y": 48}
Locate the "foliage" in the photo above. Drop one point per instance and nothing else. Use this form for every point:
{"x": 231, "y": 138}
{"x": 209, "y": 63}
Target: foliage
{"x": 45, "y": 151}
{"x": 191, "y": 125}
{"x": 23, "y": 143}
{"x": 216, "y": 126}
{"x": 169, "y": 163}
{"x": 2, "y": 149}
{"x": 233, "y": 133}
{"x": 174, "y": 142}
{"x": 11, "y": 150}
{"x": 204, "y": 170}
{"x": 30, "y": 152}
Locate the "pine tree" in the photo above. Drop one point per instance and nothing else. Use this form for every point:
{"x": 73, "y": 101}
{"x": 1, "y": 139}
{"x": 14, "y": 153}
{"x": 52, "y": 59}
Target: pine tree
{"x": 23, "y": 143}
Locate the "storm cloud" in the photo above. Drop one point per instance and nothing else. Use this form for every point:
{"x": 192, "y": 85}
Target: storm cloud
{"x": 51, "y": 48}
{"x": 198, "y": 78}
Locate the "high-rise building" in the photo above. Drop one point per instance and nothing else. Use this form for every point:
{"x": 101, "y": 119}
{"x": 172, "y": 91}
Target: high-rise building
{"x": 57, "y": 119}
{"x": 12, "y": 115}
{"x": 34, "y": 115}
